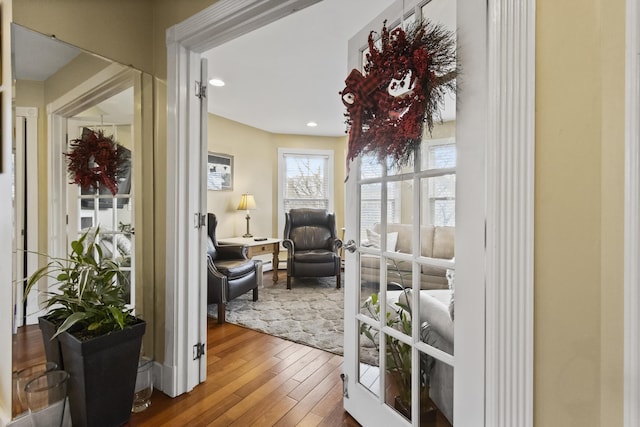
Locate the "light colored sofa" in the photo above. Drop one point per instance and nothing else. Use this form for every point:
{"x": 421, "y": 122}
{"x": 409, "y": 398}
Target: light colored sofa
{"x": 435, "y": 241}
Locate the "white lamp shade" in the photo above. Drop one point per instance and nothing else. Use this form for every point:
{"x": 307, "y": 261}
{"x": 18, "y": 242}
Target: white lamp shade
{"x": 247, "y": 202}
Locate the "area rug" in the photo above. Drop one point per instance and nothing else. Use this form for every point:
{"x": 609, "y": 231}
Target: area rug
{"x": 312, "y": 313}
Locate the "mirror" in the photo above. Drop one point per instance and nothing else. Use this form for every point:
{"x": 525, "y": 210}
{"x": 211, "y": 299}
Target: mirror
{"x": 59, "y": 92}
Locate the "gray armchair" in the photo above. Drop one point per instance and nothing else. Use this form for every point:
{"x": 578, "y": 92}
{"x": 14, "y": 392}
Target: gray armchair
{"x": 312, "y": 245}
{"x": 229, "y": 272}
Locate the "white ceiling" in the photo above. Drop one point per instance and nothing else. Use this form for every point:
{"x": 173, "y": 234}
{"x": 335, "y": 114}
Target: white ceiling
{"x": 288, "y": 73}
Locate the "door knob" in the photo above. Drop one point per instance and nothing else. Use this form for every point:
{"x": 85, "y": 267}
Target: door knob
{"x": 351, "y": 246}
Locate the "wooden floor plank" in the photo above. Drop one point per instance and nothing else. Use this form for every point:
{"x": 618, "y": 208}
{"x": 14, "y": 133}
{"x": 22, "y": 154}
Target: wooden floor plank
{"x": 260, "y": 404}
{"x": 304, "y": 406}
{"x": 314, "y": 379}
{"x": 277, "y": 411}
{"x": 310, "y": 420}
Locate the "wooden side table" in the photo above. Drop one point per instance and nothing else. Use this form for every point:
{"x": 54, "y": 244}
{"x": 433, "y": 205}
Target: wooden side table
{"x": 260, "y": 247}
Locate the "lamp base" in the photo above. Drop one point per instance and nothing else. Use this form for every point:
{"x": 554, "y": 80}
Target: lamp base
{"x": 248, "y": 218}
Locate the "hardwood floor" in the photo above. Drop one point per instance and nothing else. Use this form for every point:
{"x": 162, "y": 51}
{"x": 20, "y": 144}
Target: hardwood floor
{"x": 252, "y": 379}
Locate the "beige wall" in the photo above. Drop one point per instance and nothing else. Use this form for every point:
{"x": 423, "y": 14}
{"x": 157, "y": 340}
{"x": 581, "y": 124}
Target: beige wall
{"x": 579, "y": 213}
{"x": 252, "y": 151}
{"x": 256, "y": 171}
{"x": 612, "y": 152}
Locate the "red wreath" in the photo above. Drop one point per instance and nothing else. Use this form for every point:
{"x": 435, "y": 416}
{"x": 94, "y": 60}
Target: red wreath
{"x": 421, "y": 62}
{"x": 94, "y": 160}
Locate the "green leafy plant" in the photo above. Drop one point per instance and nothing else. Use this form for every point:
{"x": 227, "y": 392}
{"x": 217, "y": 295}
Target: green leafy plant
{"x": 397, "y": 353}
{"x": 90, "y": 298}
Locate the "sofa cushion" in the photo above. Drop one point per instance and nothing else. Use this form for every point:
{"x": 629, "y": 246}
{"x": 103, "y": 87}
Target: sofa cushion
{"x": 426, "y": 241}
{"x": 443, "y": 242}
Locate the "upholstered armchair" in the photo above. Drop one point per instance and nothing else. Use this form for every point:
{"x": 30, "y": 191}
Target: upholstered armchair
{"x": 312, "y": 245}
{"x": 229, "y": 272}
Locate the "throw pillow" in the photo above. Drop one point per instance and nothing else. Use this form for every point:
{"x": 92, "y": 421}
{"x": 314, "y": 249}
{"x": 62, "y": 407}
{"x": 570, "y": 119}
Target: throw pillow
{"x": 392, "y": 241}
{"x": 374, "y": 240}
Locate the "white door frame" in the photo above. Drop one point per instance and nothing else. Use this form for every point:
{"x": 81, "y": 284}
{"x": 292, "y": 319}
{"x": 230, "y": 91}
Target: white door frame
{"x": 510, "y": 134}
{"x": 185, "y": 259}
{"x": 632, "y": 219}
{"x": 26, "y": 137}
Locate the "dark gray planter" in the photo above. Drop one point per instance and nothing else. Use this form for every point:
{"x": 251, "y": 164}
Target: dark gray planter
{"x": 102, "y": 374}
{"x": 51, "y": 346}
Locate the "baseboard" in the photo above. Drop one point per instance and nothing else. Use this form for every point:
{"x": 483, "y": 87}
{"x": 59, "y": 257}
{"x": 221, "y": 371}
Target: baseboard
{"x": 267, "y": 262}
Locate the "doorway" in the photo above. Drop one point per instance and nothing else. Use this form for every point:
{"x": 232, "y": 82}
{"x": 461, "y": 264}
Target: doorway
{"x": 508, "y": 273}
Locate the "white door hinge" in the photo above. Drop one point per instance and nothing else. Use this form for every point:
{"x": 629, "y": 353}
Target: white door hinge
{"x": 345, "y": 385}
{"x": 198, "y": 351}
{"x": 201, "y": 90}
{"x": 199, "y": 220}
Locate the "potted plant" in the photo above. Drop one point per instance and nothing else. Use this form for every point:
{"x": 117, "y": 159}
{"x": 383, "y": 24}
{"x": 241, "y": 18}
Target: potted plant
{"x": 91, "y": 333}
{"x": 398, "y": 356}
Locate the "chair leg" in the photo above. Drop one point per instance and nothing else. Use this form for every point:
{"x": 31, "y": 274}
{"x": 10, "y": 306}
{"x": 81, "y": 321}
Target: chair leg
{"x": 288, "y": 282}
{"x": 255, "y": 294}
{"x": 222, "y": 308}
{"x": 338, "y": 280}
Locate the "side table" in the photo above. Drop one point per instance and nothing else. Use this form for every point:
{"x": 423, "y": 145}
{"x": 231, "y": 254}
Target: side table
{"x": 258, "y": 247}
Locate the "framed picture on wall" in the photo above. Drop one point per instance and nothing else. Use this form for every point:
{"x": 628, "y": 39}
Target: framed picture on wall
{"x": 219, "y": 172}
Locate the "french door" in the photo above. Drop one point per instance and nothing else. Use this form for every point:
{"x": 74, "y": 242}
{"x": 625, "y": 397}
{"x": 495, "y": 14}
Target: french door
{"x": 412, "y": 244}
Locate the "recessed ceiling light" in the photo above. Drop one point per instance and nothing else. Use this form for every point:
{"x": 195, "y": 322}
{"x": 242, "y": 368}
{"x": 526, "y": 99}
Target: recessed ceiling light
{"x": 216, "y": 82}
{"x": 312, "y": 124}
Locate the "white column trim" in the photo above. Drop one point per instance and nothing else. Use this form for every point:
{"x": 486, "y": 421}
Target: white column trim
{"x": 510, "y": 170}
{"x": 632, "y": 220}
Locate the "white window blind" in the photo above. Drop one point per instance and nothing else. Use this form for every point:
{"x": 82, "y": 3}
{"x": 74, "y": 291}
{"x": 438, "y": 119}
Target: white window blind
{"x": 306, "y": 181}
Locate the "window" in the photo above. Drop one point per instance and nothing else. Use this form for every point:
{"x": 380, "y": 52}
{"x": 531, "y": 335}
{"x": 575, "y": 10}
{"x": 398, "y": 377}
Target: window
{"x": 305, "y": 180}
{"x": 440, "y": 159}
{"x": 439, "y": 187}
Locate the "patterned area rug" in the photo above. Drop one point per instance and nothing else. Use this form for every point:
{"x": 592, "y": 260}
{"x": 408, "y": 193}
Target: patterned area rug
{"x": 312, "y": 313}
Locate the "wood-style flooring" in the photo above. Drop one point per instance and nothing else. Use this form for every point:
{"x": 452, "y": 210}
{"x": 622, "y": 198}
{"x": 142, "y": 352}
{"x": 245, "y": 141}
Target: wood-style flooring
{"x": 253, "y": 379}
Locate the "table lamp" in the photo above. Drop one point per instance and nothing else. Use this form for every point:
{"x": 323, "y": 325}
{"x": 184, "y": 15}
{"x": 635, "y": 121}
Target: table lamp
{"x": 247, "y": 202}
